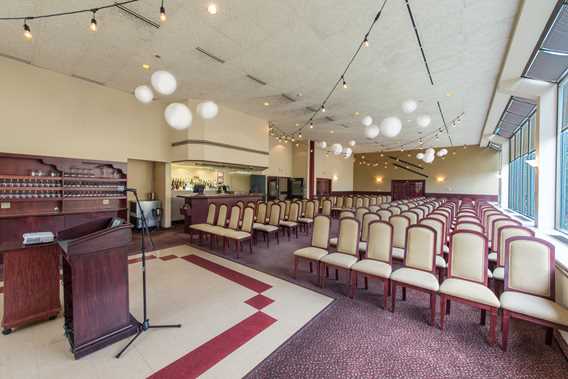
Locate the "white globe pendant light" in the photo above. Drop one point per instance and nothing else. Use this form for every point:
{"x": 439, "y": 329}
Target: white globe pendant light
{"x": 423, "y": 120}
{"x": 163, "y": 82}
{"x": 372, "y": 131}
{"x": 144, "y": 94}
{"x": 367, "y": 121}
{"x": 323, "y": 145}
{"x": 391, "y": 127}
{"x": 430, "y": 151}
{"x": 429, "y": 158}
{"x": 442, "y": 153}
{"x": 352, "y": 143}
{"x": 207, "y": 110}
{"x": 420, "y": 156}
{"x": 178, "y": 116}
{"x": 347, "y": 152}
{"x": 409, "y": 106}
{"x": 336, "y": 148}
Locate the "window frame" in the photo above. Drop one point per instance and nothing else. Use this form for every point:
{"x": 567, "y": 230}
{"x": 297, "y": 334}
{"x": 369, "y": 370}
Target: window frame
{"x": 561, "y": 159}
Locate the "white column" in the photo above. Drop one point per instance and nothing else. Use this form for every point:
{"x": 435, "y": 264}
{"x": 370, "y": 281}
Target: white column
{"x": 547, "y": 115}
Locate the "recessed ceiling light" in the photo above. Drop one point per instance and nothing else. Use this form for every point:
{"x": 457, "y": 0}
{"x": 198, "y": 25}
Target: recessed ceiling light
{"x": 356, "y": 113}
{"x": 331, "y": 131}
{"x": 146, "y": 66}
{"x": 449, "y": 94}
{"x": 297, "y": 124}
{"x": 212, "y": 8}
{"x": 266, "y": 103}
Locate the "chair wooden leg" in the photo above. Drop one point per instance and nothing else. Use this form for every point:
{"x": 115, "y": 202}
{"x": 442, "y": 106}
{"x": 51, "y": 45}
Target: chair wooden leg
{"x": 238, "y": 248}
{"x": 311, "y": 267}
{"x": 322, "y": 285}
{"x": 277, "y": 238}
{"x": 549, "y": 335}
{"x": 403, "y": 293}
{"x": 295, "y": 267}
{"x": 267, "y": 240}
{"x": 250, "y": 245}
{"x": 393, "y": 296}
{"x": 482, "y": 317}
{"x": 433, "y": 309}
{"x": 385, "y": 293}
{"x": 353, "y": 283}
{"x": 336, "y": 274}
{"x": 442, "y": 311}
{"x": 296, "y": 230}
{"x": 492, "y": 326}
{"x": 505, "y": 318}
{"x": 448, "y": 306}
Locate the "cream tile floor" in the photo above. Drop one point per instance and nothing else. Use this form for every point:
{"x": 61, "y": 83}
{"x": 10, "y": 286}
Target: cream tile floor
{"x": 179, "y": 292}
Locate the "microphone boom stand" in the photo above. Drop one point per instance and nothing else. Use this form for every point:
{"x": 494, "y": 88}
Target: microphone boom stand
{"x": 144, "y": 325}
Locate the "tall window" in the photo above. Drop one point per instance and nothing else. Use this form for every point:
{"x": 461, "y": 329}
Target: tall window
{"x": 521, "y": 174}
{"x": 563, "y": 155}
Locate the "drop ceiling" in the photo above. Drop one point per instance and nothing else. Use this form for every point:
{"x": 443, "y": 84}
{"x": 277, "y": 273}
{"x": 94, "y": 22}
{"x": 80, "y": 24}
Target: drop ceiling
{"x": 298, "y": 48}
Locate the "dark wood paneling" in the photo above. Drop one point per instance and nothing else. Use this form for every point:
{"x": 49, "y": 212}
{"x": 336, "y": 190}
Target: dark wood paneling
{"x": 312, "y": 170}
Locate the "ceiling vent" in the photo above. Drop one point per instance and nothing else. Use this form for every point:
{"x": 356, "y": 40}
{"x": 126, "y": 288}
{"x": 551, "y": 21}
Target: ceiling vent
{"x": 212, "y": 56}
{"x": 312, "y": 109}
{"x": 289, "y": 98}
{"x": 261, "y": 82}
{"x": 88, "y": 80}
{"x": 330, "y": 119}
{"x": 137, "y": 16}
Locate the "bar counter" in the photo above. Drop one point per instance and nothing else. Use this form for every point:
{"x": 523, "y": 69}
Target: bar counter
{"x": 196, "y": 205}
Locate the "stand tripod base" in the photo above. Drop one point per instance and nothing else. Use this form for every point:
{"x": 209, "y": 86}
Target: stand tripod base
{"x": 143, "y": 327}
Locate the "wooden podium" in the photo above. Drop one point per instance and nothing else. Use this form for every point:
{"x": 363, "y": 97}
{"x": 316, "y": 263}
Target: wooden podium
{"x": 95, "y": 285}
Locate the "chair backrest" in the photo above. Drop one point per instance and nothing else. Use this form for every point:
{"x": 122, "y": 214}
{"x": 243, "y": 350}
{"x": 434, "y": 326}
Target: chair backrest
{"x": 399, "y": 224}
{"x": 348, "y": 241}
{"x": 339, "y": 202}
{"x": 287, "y": 202}
{"x": 506, "y": 232}
{"x": 366, "y": 202}
{"x": 384, "y": 214}
{"x": 310, "y": 209}
{"x": 326, "y": 208}
{"x": 367, "y": 219}
{"x": 294, "y": 212}
{"x": 394, "y": 210}
{"x": 468, "y": 218}
{"x": 222, "y": 215}
{"x": 374, "y": 208}
{"x": 468, "y": 256}
{"x": 438, "y": 226}
{"x": 359, "y": 213}
{"x": 211, "y": 209}
{"x": 404, "y": 207}
{"x": 488, "y": 215}
{"x": 358, "y": 202}
{"x": 283, "y": 207}
{"x": 320, "y": 232}
{"x": 348, "y": 203}
{"x": 344, "y": 214}
{"x": 413, "y": 217}
{"x": 261, "y": 213}
{"x": 496, "y": 224}
{"x": 373, "y": 201}
{"x": 489, "y": 224}
{"x": 251, "y": 204}
{"x": 473, "y": 226}
{"x": 420, "y": 250}
{"x": 235, "y": 217}
{"x": 274, "y": 215}
{"x": 530, "y": 266}
{"x": 379, "y": 245}
{"x": 240, "y": 204}
{"x": 419, "y": 211}
{"x": 248, "y": 219}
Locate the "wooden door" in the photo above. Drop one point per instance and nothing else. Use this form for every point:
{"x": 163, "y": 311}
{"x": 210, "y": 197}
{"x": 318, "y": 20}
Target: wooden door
{"x": 323, "y": 187}
{"x": 406, "y": 189}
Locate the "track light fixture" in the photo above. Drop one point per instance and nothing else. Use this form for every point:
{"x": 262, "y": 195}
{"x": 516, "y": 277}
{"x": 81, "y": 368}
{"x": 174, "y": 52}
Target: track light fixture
{"x": 311, "y": 125}
{"x": 323, "y": 108}
{"x": 366, "y": 41}
{"x": 93, "y": 25}
{"x": 344, "y": 82}
{"x": 163, "y": 17}
{"x": 27, "y": 30}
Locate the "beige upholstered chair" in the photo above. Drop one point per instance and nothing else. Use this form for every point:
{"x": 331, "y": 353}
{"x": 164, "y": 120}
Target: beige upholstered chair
{"x": 486, "y": 217}
{"x": 413, "y": 217}
{"x": 291, "y": 225}
{"x": 200, "y": 229}
{"x": 326, "y": 208}
{"x": 384, "y": 214}
{"x": 287, "y": 212}
{"x": 438, "y": 226}
{"x": 473, "y": 226}
{"x": 384, "y": 206}
{"x": 468, "y": 218}
{"x": 348, "y": 203}
{"x": 404, "y": 207}
{"x": 318, "y": 247}
{"x": 377, "y": 261}
{"x": 342, "y": 215}
{"x": 374, "y": 208}
{"x": 367, "y": 219}
{"x": 303, "y": 203}
{"x": 419, "y": 271}
{"x": 373, "y": 201}
{"x": 358, "y": 202}
{"x": 400, "y": 224}
{"x": 495, "y": 225}
{"x": 503, "y": 234}
{"x": 283, "y": 209}
{"x": 530, "y": 287}
{"x": 347, "y": 251}
{"x": 395, "y": 210}
{"x": 339, "y": 204}
{"x": 244, "y": 234}
{"x": 419, "y": 212}
{"x": 467, "y": 278}
{"x": 366, "y": 202}
{"x": 360, "y": 212}
{"x": 309, "y": 214}
{"x": 489, "y": 227}
{"x": 272, "y": 227}
{"x": 260, "y": 216}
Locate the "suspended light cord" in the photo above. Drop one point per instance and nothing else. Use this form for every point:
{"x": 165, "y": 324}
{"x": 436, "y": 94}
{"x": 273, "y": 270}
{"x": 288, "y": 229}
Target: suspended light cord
{"x": 88, "y": 10}
{"x": 341, "y": 80}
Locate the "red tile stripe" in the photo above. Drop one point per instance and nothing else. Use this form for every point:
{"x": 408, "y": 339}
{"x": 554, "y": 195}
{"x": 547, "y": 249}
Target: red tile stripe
{"x": 136, "y": 260}
{"x": 227, "y": 273}
{"x": 197, "y": 361}
{"x": 259, "y": 301}
{"x": 168, "y": 257}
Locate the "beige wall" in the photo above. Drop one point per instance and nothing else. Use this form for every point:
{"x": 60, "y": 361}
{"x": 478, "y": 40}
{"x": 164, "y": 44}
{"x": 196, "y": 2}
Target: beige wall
{"x": 230, "y": 127}
{"x": 280, "y": 159}
{"x": 336, "y": 168}
{"x": 470, "y": 171}
{"x": 47, "y": 113}
{"x": 141, "y": 177}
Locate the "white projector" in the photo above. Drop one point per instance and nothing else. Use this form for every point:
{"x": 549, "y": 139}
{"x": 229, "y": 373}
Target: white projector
{"x": 38, "y": 237}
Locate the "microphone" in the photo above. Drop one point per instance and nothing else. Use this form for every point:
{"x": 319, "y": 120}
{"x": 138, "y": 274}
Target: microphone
{"x": 125, "y": 189}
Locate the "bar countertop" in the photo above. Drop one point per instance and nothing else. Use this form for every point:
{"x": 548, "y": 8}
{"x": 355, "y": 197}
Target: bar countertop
{"x": 219, "y": 195}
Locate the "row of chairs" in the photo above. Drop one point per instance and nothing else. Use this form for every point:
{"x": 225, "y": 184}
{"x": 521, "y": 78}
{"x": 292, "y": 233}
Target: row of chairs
{"x": 528, "y": 265}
